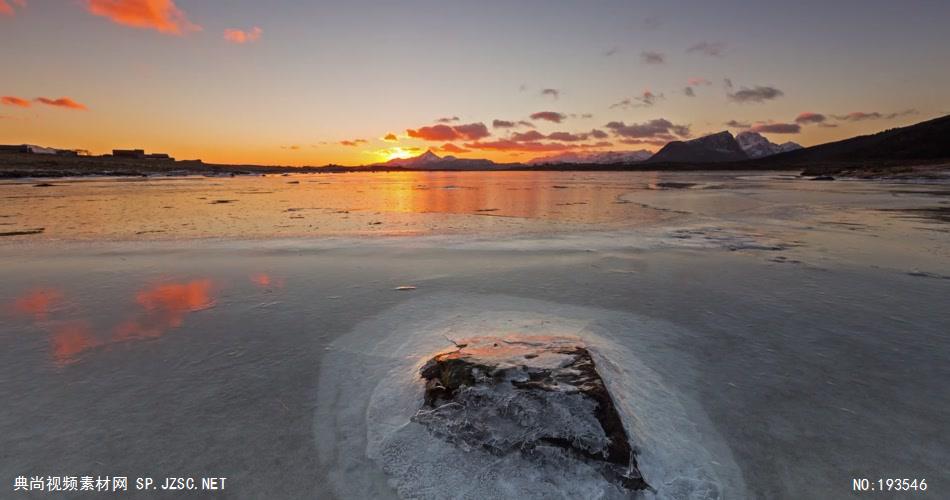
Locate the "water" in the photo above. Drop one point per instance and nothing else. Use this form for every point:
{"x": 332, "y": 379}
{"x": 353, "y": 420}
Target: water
{"x": 769, "y": 337}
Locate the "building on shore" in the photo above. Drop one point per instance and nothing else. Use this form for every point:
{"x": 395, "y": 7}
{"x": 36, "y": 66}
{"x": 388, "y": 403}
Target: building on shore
{"x": 140, "y": 154}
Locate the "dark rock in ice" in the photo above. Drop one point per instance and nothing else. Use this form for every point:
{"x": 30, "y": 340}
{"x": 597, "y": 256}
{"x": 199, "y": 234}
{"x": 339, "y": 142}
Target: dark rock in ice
{"x": 529, "y": 395}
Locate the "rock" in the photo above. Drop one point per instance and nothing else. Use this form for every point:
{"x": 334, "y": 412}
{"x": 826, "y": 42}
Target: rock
{"x": 528, "y": 395}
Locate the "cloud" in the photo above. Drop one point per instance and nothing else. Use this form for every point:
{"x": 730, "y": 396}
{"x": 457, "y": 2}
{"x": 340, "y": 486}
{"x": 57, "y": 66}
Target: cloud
{"x": 809, "y": 117}
{"x": 62, "y": 102}
{"x": 688, "y": 91}
{"x": 550, "y": 116}
{"x": 503, "y": 124}
{"x": 652, "y": 57}
{"x": 757, "y": 94}
{"x": 529, "y": 136}
{"x": 598, "y": 134}
{"x": 292, "y": 147}
{"x": 237, "y": 36}
{"x": 654, "y": 128}
{"x": 648, "y": 98}
{"x": 473, "y": 131}
{"x": 567, "y": 137}
{"x": 510, "y": 145}
{"x": 727, "y": 83}
{"x": 611, "y": 51}
{"x": 696, "y": 82}
{"x": 555, "y": 93}
{"x": 714, "y": 49}
{"x": 160, "y": 15}
{"x": 777, "y": 128}
{"x": 10, "y": 100}
{"x": 7, "y": 10}
{"x": 452, "y": 148}
{"x": 468, "y": 132}
{"x": 390, "y": 137}
{"x": 526, "y": 123}
{"x": 353, "y": 142}
{"x": 858, "y": 116}
{"x": 447, "y": 119}
{"x": 737, "y": 124}
{"x": 645, "y": 100}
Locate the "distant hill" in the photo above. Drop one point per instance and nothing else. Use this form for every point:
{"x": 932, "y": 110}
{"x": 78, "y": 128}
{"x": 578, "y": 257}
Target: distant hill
{"x": 714, "y": 148}
{"x": 929, "y": 140}
{"x": 432, "y": 161}
{"x": 595, "y": 158}
{"x": 757, "y": 146}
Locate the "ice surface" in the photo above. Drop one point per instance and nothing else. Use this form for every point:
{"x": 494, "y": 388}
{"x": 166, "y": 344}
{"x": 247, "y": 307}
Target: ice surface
{"x": 679, "y": 450}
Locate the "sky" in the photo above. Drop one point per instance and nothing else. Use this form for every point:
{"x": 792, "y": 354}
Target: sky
{"x": 293, "y": 82}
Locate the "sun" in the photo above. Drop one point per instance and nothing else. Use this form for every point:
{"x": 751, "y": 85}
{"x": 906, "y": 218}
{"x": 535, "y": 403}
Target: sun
{"x": 398, "y": 153}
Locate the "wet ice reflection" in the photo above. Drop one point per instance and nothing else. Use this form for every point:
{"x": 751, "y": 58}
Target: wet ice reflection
{"x": 156, "y": 310}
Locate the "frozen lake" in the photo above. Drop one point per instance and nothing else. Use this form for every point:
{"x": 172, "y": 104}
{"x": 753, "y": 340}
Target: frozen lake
{"x": 776, "y": 337}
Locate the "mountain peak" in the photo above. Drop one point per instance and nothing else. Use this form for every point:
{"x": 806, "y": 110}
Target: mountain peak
{"x": 721, "y": 146}
{"x": 757, "y": 146}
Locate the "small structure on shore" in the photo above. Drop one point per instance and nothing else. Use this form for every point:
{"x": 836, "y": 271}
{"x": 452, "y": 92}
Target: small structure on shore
{"x": 139, "y": 154}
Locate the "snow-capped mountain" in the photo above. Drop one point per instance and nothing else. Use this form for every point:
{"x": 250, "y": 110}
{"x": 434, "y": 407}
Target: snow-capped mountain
{"x": 600, "y": 158}
{"x": 432, "y": 161}
{"x": 757, "y": 146}
{"x": 718, "y": 147}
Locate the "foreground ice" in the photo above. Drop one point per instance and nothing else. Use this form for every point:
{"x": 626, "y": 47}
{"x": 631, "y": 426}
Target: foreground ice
{"x": 372, "y": 381}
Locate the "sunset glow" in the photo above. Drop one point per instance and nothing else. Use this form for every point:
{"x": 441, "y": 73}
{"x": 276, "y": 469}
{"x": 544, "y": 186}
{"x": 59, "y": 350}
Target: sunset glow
{"x": 299, "y": 83}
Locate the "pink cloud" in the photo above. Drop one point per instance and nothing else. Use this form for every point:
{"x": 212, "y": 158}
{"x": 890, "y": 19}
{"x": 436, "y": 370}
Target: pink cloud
{"x": 160, "y": 15}
{"x": 237, "y": 36}
{"x": 62, "y": 102}
{"x": 10, "y": 100}
{"x": 7, "y": 10}
{"x": 468, "y": 132}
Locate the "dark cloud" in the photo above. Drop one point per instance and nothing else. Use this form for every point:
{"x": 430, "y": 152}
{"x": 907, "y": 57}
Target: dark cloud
{"x": 652, "y": 57}
{"x": 529, "y": 136}
{"x": 390, "y": 137}
{"x": 644, "y": 100}
{"x": 567, "y": 137}
{"x": 447, "y": 119}
{"x": 352, "y": 143}
{"x": 857, "y": 116}
{"x": 714, "y": 49}
{"x": 777, "y": 128}
{"x": 550, "y": 116}
{"x": 737, "y": 124}
{"x": 525, "y": 123}
{"x": 611, "y": 51}
{"x": 688, "y": 92}
{"x": 598, "y": 134}
{"x": 727, "y": 82}
{"x": 509, "y": 145}
{"x": 809, "y": 118}
{"x": 649, "y": 129}
{"x": 555, "y": 93}
{"x": 473, "y": 131}
{"x": 503, "y": 124}
{"x": 757, "y": 94}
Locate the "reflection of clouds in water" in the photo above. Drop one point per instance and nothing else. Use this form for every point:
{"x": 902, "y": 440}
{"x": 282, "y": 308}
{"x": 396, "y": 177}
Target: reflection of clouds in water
{"x": 267, "y": 281}
{"x": 37, "y": 303}
{"x": 163, "y": 307}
